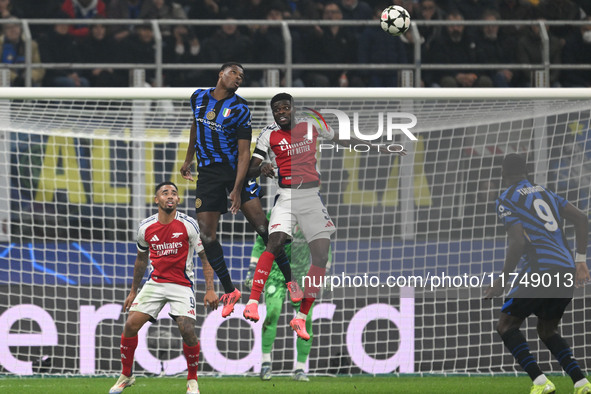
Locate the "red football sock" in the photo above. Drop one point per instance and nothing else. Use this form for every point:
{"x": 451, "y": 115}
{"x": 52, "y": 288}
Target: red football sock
{"x": 261, "y": 274}
{"x": 192, "y": 356}
{"x": 315, "y": 277}
{"x": 128, "y": 346}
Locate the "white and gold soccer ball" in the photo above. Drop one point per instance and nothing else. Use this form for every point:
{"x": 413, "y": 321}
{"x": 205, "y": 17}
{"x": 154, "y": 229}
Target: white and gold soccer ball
{"x": 395, "y": 20}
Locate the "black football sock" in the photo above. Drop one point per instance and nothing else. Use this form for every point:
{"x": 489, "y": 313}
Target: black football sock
{"x": 561, "y": 350}
{"x": 283, "y": 263}
{"x": 517, "y": 345}
{"x": 215, "y": 255}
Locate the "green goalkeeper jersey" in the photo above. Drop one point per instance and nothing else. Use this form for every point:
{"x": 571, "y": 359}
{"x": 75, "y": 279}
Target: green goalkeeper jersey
{"x": 298, "y": 253}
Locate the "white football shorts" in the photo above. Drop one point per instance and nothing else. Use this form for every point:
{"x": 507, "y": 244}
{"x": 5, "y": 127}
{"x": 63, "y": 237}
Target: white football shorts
{"x": 153, "y": 296}
{"x": 303, "y": 207}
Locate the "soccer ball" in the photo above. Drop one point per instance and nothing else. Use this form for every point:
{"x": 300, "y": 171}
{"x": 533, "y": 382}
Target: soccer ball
{"x": 395, "y": 20}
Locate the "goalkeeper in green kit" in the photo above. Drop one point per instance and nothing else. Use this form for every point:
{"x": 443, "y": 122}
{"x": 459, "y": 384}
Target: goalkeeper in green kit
{"x": 275, "y": 291}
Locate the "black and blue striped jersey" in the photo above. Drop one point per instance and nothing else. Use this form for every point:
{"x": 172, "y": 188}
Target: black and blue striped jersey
{"x": 540, "y": 213}
{"x": 220, "y": 124}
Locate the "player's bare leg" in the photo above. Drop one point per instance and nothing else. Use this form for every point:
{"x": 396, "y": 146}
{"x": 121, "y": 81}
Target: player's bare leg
{"x": 261, "y": 274}
{"x": 253, "y": 211}
{"x": 208, "y": 223}
{"x": 134, "y": 322}
{"x": 560, "y": 349}
{"x": 319, "y": 249}
{"x": 191, "y": 351}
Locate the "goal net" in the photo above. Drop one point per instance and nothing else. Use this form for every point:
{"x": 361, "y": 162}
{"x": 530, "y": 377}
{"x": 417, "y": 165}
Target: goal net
{"x": 417, "y": 236}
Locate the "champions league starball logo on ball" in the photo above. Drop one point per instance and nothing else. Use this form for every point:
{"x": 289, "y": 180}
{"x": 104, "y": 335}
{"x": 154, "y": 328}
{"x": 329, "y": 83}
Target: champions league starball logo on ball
{"x": 395, "y": 20}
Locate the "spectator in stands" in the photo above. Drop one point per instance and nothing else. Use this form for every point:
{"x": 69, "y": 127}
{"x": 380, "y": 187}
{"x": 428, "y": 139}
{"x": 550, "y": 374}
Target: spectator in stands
{"x": 356, "y": 10}
{"x": 83, "y": 9}
{"x": 578, "y": 51}
{"x": 270, "y": 48}
{"x": 13, "y": 52}
{"x": 99, "y": 48}
{"x": 331, "y": 44}
{"x": 304, "y": 9}
{"x": 42, "y": 9}
{"x": 163, "y": 9}
{"x": 473, "y": 9}
{"x": 561, "y": 10}
{"x": 184, "y": 47}
{"x": 227, "y": 44}
{"x": 492, "y": 46}
{"x": 377, "y": 47}
{"x": 58, "y": 46}
{"x": 140, "y": 48}
{"x": 428, "y": 10}
{"x": 252, "y": 9}
{"x": 203, "y": 9}
{"x": 529, "y": 51}
{"x": 454, "y": 46}
{"x": 514, "y": 10}
{"x": 5, "y": 9}
{"x": 124, "y": 9}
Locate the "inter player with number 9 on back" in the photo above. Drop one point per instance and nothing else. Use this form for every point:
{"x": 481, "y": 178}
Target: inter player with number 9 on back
{"x": 545, "y": 284}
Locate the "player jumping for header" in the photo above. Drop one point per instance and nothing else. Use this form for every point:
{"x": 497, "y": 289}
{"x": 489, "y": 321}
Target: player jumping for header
{"x": 286, "y": 144}
{"x": 220, "y": 136}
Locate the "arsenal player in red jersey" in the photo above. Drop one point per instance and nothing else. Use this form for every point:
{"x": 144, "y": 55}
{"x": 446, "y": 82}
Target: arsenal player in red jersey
{"x": 168, "y": 240}
{"x": 286, "y": 145}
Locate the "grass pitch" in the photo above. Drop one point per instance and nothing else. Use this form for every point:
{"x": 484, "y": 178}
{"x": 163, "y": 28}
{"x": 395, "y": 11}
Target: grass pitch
{"x": 253, "y": 385}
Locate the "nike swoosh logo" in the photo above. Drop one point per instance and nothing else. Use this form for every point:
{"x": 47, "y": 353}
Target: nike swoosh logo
{"x": 201, "y": 106}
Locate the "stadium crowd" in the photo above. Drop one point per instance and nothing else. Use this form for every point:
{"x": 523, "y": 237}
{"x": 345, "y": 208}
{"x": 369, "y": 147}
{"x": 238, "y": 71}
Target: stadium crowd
{"x": 453, "y": 44}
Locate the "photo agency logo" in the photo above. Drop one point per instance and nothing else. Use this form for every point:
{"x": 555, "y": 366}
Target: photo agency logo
{"x": 395, "y": 122}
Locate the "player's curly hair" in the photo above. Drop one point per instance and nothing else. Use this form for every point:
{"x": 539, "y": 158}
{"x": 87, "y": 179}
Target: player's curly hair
{"x": 281, "y": 96}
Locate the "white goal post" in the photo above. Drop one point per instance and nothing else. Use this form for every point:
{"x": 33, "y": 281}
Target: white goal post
{"x": 77, "y": 171}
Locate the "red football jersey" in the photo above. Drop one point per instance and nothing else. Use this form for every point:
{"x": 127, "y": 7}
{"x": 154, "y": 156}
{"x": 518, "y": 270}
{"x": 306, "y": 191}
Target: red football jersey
{"x": 292, "y": 153}
{"x": 172, "y": 248}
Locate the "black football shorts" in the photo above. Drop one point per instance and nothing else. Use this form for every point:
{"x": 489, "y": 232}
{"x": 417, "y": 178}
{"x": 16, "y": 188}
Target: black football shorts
{"x": 544, "y": 308}
{"x": 214, "y": 184}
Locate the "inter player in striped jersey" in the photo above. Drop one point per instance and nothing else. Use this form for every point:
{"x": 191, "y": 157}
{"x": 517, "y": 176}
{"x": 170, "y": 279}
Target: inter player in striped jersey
{"x": 220, "y": 137}
{"x": 168, "y": 240}
{"x": 545, "y": 284}
{"x": 287, "y": 145}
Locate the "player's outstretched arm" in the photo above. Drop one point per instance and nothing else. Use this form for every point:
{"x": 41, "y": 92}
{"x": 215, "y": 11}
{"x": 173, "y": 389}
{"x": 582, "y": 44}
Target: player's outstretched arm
{"x": 186, "y": 167}
{"x": 515, "y": 249}
{"x": 139, "y": 269}
{"x": 210, "y": 298}
{"x": 581, "y": 223}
